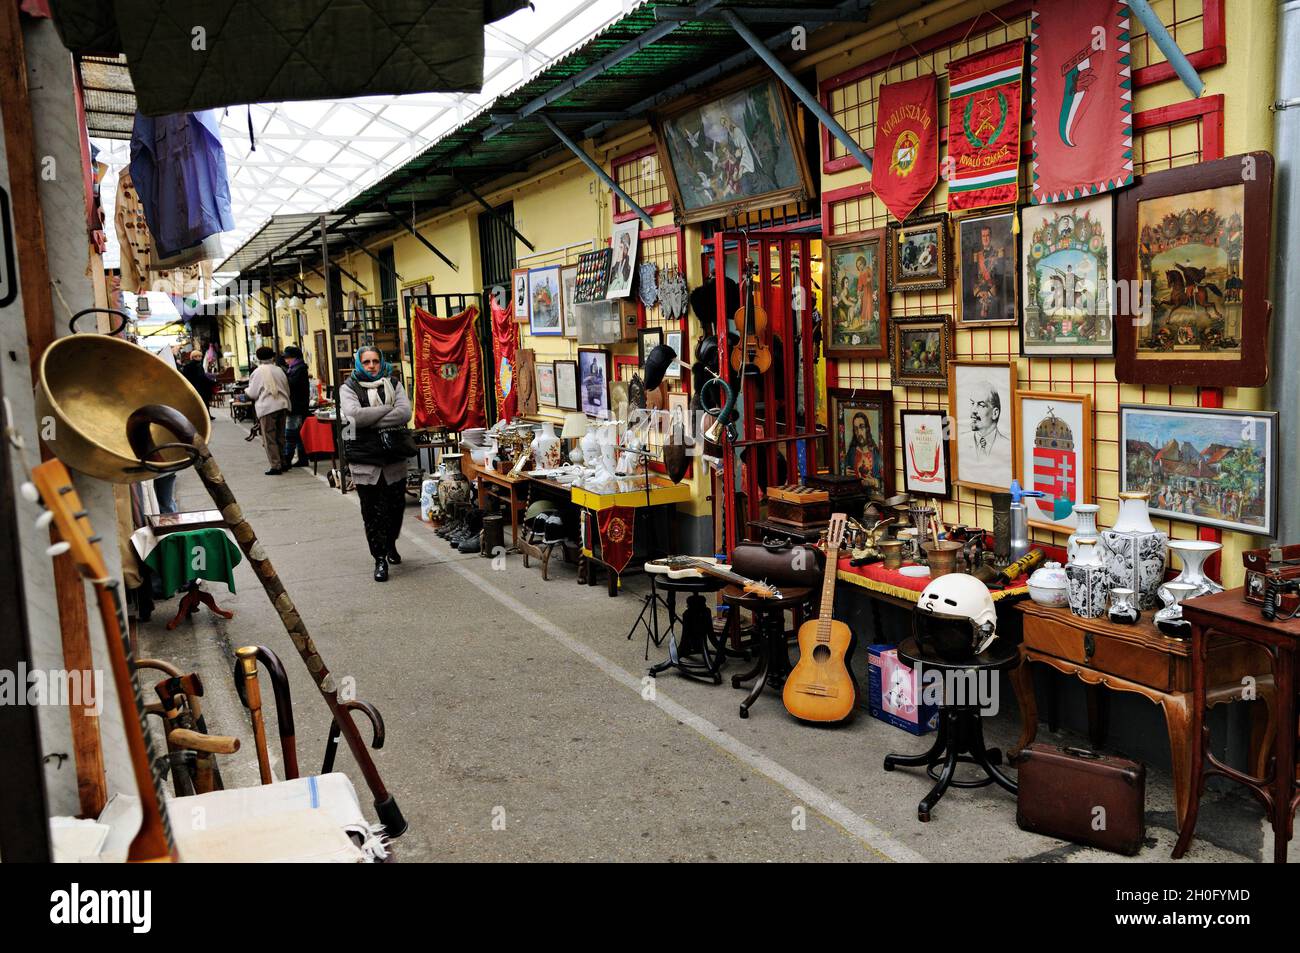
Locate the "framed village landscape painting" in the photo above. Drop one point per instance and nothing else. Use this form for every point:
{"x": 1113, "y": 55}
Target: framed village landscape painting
{"x": 1067, "y": 257}
{"x": 855, "y": 287}
{"x": 1208, "y": 466}
{"x": 1053, "y": 441}
{"x": 861, "y": 422}
{"x": 544, "y": 314}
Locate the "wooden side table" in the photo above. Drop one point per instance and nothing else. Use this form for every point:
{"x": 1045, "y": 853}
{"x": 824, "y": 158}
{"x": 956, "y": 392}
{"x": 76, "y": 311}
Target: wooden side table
{"x": 1274, "y": 784}
{"x": 1141, "y": 659}
{"x": 508, "y": 489}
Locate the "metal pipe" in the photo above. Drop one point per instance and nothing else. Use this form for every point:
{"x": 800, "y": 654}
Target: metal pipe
{"x": 1177, "y": 59}
{"x": 366, "y": 251}
{"x": 594, "y": 166}
{"x": 762, "y": 14}
{"x": 421, "y": 239}
{"x": 807, "y": 98}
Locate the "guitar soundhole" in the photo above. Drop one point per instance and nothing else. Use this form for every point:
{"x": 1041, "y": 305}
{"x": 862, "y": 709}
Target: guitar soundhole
{"x": 821, "y": 653}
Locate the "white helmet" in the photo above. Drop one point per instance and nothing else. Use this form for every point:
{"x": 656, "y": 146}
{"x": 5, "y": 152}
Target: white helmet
{"x": 955, "y": 617}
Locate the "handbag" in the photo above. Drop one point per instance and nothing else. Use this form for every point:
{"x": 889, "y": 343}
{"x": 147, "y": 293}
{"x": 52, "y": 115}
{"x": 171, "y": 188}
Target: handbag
{"x": 381, "y": 447}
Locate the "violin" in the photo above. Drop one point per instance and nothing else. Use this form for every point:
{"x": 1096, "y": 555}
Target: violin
{"x": 752, "y": 353}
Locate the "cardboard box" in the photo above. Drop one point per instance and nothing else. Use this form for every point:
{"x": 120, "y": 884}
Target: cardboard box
{"x": 893, "y": 692}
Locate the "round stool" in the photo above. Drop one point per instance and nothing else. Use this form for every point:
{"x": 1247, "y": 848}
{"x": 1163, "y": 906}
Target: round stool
{"x": 696, "y": 627}
{"x": 769, "y": 623}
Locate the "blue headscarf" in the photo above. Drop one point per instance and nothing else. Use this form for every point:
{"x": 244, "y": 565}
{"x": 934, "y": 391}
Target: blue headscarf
{"x": 360, "y": 373}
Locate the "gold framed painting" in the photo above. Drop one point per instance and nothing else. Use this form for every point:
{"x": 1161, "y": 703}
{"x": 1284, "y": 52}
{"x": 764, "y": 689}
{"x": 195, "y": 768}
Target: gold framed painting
{"x": 917, "y": 254}
{"x": 854, "y": 287}
{"x": 921, "y": 351}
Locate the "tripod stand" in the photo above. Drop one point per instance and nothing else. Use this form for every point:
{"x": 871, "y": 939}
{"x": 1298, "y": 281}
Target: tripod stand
{"x": 649, "y": 615}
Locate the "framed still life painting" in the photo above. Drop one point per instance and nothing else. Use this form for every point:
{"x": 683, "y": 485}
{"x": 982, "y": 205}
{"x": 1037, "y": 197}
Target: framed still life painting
{"x": 734, "y": 153}
{"x": 988, "y": 269}
{"x": 921, "y": 351}
{"x": 980, "y": 404}
{"x": 1067, "y": 262}
{"x": 855, "y": 289}
{"x": 861, "y": 422}
{"x": 1208, "y": 466}
{"x": 1053, "y": 438}
{"x": 917, "y": 254}
{"x": 925, "y": 452}
{"x": 1198, "y": 238}
{"x": 544, "y": 308}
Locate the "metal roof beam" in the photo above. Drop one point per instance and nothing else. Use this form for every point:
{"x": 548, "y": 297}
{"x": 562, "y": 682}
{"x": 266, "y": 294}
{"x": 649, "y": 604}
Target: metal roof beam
{"x": 594, "y": 166}
{"x": 762, "y": 14}
{"x": 378, "y": 261}
{"x": 421, "y": 239}
{"x": 578, "y": 115}
{"x": 493, "y": 213}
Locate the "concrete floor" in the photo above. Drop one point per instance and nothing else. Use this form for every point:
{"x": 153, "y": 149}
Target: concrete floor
{"x": 519, "y": 727}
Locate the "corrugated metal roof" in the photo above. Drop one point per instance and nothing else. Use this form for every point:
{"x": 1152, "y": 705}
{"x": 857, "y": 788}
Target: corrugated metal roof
{"x": 291, "y": 235}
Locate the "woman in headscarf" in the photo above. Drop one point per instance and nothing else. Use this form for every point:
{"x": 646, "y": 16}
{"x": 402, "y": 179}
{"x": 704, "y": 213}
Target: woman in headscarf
{"x": 373, "y": 399}
{"x": 268, "y": 388}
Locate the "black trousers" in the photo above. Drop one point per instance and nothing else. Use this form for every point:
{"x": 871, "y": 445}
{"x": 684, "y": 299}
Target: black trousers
{"x": 382, "y": 508}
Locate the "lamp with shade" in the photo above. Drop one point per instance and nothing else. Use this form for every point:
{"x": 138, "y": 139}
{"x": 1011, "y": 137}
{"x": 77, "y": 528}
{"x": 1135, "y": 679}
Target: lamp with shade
{"x": 575, "y": 428}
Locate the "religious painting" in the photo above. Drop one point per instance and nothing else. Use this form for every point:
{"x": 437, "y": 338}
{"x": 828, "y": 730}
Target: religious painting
{"x": 734, "y": 153}
{"x": 854, "y": 289}
{"x": 519, "y": 280}
{"x": 1054, "y": 455}
{"x": 921, "y": 351}
{"x": 986, "y": 250}
{"x": 1209, "y": 466}
{"x": 1195, "y": 242}
{"x": 622, "y": 269}
{"x": 566, "y": 384}
{"x": 1067, "y": 264}
{"x": 593, "y": 382}
{"x": 544, "y": 302}
{"x": 917, "y": 254}
{"x": 861, "y": 422}
{"x": 568, "y": 298}
{"x": 980, "y": 404}
{"x": 546, "y": 384}
{"x": 924, "y": 439}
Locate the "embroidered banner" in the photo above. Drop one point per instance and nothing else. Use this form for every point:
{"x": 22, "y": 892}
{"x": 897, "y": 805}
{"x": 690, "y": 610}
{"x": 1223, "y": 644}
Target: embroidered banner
{"x": 448, "y": 371}
{"x": 505, "y": 344}
{"x": 1082, "y": 98}
{"x": 616, "y": 536}
{"x": 984, "y": 127}
{"x": 907, "y": 144}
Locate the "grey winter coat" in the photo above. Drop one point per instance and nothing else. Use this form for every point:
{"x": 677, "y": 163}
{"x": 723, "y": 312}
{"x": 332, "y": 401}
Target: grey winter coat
{"x": 397, "y": 414}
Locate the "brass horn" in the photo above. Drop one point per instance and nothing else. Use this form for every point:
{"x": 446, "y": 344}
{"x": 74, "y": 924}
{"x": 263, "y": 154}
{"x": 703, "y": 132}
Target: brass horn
{"x": 89, "y": 385}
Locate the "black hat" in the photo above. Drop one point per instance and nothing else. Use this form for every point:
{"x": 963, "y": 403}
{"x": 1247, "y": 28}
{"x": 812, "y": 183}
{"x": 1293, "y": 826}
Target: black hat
{"x": 657, "y": 363}
{"x": 704, "y": 302}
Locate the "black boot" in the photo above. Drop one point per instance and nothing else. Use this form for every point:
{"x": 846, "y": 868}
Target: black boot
{"x": 393, "y": 556}
{"x": 381, "y": 570}
{"x": 471, "y": 544}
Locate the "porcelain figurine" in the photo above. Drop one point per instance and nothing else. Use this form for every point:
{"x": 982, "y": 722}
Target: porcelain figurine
{"x": 1135, "y": 551}
{"x": 1088, "y": 582}
{"x": 1050, "y": 586}
{"x": 1087, "y": 528}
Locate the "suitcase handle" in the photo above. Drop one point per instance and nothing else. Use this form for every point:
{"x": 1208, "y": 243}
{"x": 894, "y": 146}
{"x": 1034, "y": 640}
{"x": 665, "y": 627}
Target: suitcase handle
{"x": 1082, "y": 753}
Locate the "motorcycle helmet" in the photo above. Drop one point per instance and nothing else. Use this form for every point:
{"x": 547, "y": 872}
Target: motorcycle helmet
{"x": 955, "y": 618}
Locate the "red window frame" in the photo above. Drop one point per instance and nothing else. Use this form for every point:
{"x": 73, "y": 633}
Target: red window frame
{"x": 620, "y": 213}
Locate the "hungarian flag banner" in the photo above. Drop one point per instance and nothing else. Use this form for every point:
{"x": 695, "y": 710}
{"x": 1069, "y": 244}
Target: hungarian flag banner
{"x": 448, "y": 371}
{"x": 984, "y": 127}
{"x": 1082, "y": 97}
{"x": 906, "y": 164}
{"x": 505, "y": 345}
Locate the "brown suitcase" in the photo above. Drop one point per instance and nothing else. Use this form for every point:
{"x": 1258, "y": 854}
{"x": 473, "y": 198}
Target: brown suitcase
{"x": 1081, "y": 796}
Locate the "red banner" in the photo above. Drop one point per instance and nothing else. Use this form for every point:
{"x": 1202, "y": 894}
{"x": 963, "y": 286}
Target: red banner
{"x": 1082, "y": 99}
{"x": 984, "y": 127}
{"x": 906, "y": 163}
{"x": 616, "y": 536}
{"x": 448, "y": 371}
{"x": 505, "y": 344}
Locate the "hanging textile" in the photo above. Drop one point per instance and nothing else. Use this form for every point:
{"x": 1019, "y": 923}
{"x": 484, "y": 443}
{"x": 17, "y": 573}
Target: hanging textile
{"x": 1082, "y": 98}
{"x": 505, "y": 342}
{"x": 617, "y": 524}
{"x": 132, "y": 235}
{"x": 906, "y": 165}
{"x": 984, "y": 127}
{"x": 448, "y": 371}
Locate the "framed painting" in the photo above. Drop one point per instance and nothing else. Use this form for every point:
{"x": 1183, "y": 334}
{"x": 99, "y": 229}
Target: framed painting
{"x": 1067, "y": 262}
{"x": 321, "y": 347}
{"x": 1198, "y": 238}
{"x": 917, "y": 254}
{"x": 921, "y": 352}
{"x": 622, "y": 269}
{"x": 343, "y": 345}
{"x": 988, "y": 269}
{"x": 1208, "y": 466}
{"x": 861, "y": 422}
{"x": 544, "y": 302}
{"x": 677, "y": 341}
{"x": 724, "y": 155}
{"x": 980, "y": 403}
{"x": 593, "y": 382}
{"x": 854, "y": 286}
{"x": 924, "y": 437}
{"x": 568, "y": 299}
{"x": 519, "y": 282}
{"x": 1053, "y": 437}
{"x": 647, "y": 339}
{"x": 526, "y": 381}
{"x": 679, "y": 405}
{"x": 566, "y": 384}
{"x": 546, "y": 384}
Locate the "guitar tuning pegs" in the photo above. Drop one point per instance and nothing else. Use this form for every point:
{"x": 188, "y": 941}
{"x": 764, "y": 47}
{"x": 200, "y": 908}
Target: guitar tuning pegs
{"x": 57, "y": 549}
{"x": 29, "y": 492}
{"x": 44, "y": 520}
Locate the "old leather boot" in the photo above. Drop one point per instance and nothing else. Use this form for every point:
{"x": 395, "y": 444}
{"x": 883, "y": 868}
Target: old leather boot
{"x": 381, "y": 570}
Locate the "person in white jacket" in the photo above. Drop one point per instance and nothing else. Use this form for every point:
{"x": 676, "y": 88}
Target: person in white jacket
{"x": 268, "y": 388}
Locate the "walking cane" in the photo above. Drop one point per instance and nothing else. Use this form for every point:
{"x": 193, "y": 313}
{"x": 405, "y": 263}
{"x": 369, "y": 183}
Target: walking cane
{"x": 283, "y": 704}
{"x": 251, "y": 694}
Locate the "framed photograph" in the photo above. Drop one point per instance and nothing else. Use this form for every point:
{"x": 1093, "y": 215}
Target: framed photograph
{"x": 1212, "y": 467}
{"x": 544, "y": 302}
{"x": 546, "y": 384}
{"x": 680, "y": 404}
{"x": 519, "y": 279}
{"x": 647, "y": 339}
{"x": 854, "y": 287}
{"x": 622, "y": 269}
{"x": 568, "y": 293}
{"x": 1198, "y": 237}
{"x": 1066, "y": 253}
{"x": 593, "y": 382}
{"x": 677, "y": 341}
{"x": 1053, "y": 438}
{"x": 926, "y": 469}
{"x": 343, "y": 345}
{"x": 921, "y": 352}
{"x": 566, "y": 384}
{"x": 730, "y": 154}
{"x": 860, "y": 423}
{"x": 980, "y": 403}
{"x": 917, "y": 254}
{"x": 988, "y": 269}
{"x": 321, "y": 347}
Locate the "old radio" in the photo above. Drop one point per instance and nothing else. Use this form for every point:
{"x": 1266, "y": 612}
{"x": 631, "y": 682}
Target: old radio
{"x": 1273, "y": 570}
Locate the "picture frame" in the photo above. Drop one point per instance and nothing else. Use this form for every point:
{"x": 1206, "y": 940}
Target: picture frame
{"x": 1231, "y": 485}
{"x": 320, "y": 343}
{"x": 709, "y": 149}
{"x": 677, "y": 341}
{"x": 917, "y": 254}
{"x": 852, "y": 262}
{"x": 526, "y": 381}
{"x": 622, "y": 270}
{"x": 593, "y": 276}
{"x": 593, "y": 382}
{"x": 568, "y": 292}
{"x": 1200, "y": 234}
{"x": 1067, "y": 262}
{"x": 861, "y": 424}
{"x": 680, "y": 403}
{"x": 1053, "y": 437}
{"x": 988, "y": 270}
{"x": 519, "y": 282}
{"x": 647, "y": 339}
{"x": 544, "y": 304}
{"x": 927, "y": 467}
{"x": 343, "y": 345}
{"x": 546, "y": 383}
{"x": 921, "y": 351}
{"x": 981, "y": 403}
{"x": 566, "y": 384}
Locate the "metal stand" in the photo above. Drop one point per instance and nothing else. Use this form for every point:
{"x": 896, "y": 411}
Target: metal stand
{"x": 695, "y": 640}
{"x": 649, "y": 615}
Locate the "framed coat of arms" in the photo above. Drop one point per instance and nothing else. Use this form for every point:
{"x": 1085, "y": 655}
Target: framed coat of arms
{"x": 1053, "y": 446}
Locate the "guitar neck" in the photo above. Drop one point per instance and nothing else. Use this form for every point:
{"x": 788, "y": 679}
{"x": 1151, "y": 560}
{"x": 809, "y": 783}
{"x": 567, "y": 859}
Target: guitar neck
{"x": 713, "y": 569}
{"x": 827, "y": 609}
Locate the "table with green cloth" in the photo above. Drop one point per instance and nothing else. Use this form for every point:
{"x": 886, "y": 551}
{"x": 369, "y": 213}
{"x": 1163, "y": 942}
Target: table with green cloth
{"x": 182, "y": 558}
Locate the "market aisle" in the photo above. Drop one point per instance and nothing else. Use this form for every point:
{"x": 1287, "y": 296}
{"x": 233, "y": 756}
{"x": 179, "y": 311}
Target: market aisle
{"x": 508, "y": 699}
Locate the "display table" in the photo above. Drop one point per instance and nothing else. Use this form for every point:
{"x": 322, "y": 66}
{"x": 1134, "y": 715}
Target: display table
{"x": 1139, "y": 659}
{"x": 905, "y": 590}
{"x": 511, "y": 490}
{"x": 631, "y": 493}
{"x": 1274, "y": 784}
{"x": 318, "y": 439}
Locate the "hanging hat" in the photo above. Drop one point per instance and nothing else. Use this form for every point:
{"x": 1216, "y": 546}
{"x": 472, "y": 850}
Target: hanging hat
{"x": 657, "y": 363}
{"x": 704, "y": 302}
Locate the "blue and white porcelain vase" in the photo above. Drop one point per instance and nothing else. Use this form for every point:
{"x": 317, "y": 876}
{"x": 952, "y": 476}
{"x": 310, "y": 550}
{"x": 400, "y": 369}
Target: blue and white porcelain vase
{"x": 1134, "y": 551}
{"x": 1088, "y": 581}
{"x": 1087, "y": 516}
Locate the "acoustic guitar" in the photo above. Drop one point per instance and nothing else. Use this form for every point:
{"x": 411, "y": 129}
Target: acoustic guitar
{"x": 153, "y": 841}
{"x": 820, "y": 687}
{"x": 692, "y": 567}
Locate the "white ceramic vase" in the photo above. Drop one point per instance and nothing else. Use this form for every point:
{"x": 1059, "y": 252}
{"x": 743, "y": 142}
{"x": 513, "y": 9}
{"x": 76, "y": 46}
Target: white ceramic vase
{"x": 1087, "y": 528}
{"x": 1134, "y": 551}
{"x": 1088, "y": 581}
{"x": 546, "y": 448}
{"x": 1193, "y": 553}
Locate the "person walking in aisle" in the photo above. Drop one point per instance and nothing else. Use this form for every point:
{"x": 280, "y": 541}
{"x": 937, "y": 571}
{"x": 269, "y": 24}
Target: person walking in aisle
{"x": 371, "y": 400}
{"x": 268, "y": 388}
{"x": 299, "y": 399}
{"x": 199, "y": 379}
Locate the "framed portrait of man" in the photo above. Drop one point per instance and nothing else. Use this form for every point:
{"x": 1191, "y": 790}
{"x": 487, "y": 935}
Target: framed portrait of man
{"x": 861, "y": 423}
{"x": 981, "y": 404}
{"x": 986, "y": 251}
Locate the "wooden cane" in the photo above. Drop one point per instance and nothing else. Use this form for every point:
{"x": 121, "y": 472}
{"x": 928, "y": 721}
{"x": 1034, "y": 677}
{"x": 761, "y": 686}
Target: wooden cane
{"x": 246, "y": 669}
